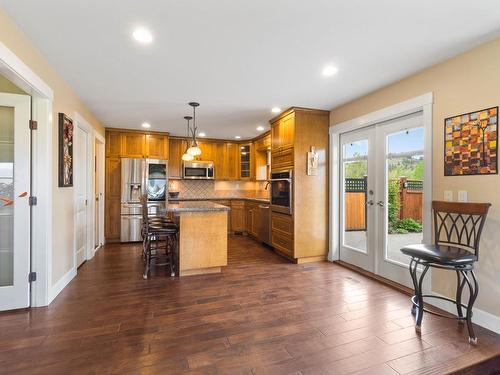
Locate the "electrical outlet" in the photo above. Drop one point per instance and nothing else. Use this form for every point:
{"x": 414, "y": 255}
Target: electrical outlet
{"x": 462, "y": 196}
{"x": 448, "y": 196}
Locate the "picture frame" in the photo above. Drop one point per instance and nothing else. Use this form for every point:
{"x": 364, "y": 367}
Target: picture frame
{"x": 471, "y": 143}
{"x": 66, "y": 132}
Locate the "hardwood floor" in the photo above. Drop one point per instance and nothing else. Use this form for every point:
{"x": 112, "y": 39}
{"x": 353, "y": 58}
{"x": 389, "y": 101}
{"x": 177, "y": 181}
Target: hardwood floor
{"x": 260, "y": 316}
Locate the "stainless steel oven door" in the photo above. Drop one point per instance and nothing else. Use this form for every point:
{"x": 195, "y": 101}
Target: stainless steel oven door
{"x": 281, "y": 195}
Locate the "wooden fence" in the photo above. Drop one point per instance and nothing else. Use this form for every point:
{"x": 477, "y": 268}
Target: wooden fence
{"x": 410, "y": 197}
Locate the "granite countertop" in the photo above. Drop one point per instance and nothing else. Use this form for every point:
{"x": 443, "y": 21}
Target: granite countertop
{"x": 181, "y": 199}
{"x": 195, "y": 206}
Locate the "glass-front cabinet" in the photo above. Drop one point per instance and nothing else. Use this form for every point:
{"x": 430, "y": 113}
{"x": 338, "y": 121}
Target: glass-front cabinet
{"x": 245, "y": 161}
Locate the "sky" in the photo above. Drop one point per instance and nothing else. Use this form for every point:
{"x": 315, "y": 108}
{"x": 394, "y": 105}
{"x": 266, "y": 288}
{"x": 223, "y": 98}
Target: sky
{"x": 405, "y": 141}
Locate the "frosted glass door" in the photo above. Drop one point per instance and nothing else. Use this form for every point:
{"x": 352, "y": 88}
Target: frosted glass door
{"x": 14, "y": 207}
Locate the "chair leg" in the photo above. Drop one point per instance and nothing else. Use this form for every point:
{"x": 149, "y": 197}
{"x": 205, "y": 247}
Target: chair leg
{"x": 473, "y": 291}
{"x": 413, "y": 271}
{"x": 420, "y": 312}
{"x": 460, "y": 288}
{"x": 147, "y": 261}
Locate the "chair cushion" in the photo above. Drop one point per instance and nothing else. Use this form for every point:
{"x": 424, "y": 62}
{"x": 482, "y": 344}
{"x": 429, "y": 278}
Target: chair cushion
{"x": 446, "y": 255}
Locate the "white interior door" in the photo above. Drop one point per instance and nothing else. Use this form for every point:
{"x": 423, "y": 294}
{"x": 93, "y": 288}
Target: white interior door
{"x": 382, "y": 196}
{"x": 81, "y": 174}
{"x": 15, "y": 227}
{"x": 357, "y": 176}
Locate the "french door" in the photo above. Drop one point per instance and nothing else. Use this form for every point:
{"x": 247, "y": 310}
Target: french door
{"x": 14, "y": 206}
{"x": 382, "y": 195}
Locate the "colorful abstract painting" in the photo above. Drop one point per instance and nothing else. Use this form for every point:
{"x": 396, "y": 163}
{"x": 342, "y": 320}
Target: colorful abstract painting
{"x": 65, "y": 151}
{"x": 471, "y": 143}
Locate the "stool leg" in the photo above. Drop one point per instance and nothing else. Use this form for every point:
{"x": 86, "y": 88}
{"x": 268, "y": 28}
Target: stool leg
{"x": 460, "y": 288}
{"x": 473, "y": 291}
{"x": 147, "y": 261}
{"x": 413, "y": 274}
{"x": 420, "y": 313}
{"x": 171, "y": 249}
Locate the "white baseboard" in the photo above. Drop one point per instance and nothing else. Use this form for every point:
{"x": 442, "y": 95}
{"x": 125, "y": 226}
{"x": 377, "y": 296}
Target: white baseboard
{"x": 61, "y": 284}
{"x": 479, "y": 317}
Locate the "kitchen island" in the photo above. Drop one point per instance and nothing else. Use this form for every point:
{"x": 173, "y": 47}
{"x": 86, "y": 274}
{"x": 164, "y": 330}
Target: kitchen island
{"x": 202, "y": 236}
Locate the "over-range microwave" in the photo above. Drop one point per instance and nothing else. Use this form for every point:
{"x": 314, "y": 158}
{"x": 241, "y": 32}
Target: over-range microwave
{"x": 198, "y": 170}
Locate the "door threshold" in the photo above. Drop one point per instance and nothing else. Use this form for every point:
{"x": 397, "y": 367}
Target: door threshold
{"x": 383, "y": 280}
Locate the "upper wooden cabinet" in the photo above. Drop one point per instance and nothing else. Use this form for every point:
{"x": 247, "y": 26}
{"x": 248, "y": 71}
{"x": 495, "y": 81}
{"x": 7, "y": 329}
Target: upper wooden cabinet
{"x": 263, "y": 143}
{"x": 283, "y": 132}
{"x": 231, "y": 163}
{"x": 113, "y": 144}
{"x": 157, "y": 146}
{"x": 134, "y": 144}
{"x": 176, "y": 148}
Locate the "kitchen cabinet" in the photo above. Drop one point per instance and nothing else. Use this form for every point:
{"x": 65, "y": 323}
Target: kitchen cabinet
{"x": 231, "y": 161}
{"x": 157, "y": 146}
{"x": 238, "y": 216}
{"x": 176, "y": 149}
{"x": 283, "y": 132}
{"x": 246, "y": 162}
{"x": 263, "y": 143}
{"x": 227, "y": 204}
{"x": 112, "y": 201}
{"x": 252, "y": 218}
{"x": 133, "y": 145}
{"x": 113, "y": 144}
{"x": 302, "y": 236}
{"x": 208, "y": 150}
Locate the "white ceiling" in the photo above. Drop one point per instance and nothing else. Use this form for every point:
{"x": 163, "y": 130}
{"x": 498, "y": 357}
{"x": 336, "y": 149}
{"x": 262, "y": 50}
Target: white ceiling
{"x": 239, "y": 58}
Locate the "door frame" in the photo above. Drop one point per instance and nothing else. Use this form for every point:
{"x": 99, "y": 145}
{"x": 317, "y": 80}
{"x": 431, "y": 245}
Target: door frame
{"x": 421, "y": 103}
{"x": 100, "y": 160}
{"x": 42, "y": 181}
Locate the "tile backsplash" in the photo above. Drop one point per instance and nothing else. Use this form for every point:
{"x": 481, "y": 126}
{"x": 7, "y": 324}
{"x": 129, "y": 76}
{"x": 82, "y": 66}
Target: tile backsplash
{"x": 218, "y": 189}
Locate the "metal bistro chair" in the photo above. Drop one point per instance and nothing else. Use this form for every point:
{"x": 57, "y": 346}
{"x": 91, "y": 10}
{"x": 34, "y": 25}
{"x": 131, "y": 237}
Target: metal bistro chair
{"x": 457, "y": 231}
{"x": 158, "y": 233}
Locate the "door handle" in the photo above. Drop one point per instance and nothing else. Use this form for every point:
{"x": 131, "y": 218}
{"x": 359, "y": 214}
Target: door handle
{"x": 380, "y": 203}
{"x": 369, "y": 203}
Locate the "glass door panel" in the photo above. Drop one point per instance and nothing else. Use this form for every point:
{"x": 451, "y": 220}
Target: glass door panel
{"x": 356, "y": 201}
{"x": 6, "y": 196}
{"x": 405, "y": 188}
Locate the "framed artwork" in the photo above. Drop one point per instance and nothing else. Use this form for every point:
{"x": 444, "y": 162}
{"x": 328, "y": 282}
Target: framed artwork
{"x": 65, "y": 151}
{"x": 471, "y": 143}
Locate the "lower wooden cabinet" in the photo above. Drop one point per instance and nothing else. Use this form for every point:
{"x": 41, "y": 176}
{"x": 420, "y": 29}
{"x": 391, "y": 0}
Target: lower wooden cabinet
{"x": 238, "y": 216}
{"x": 282, "y": 233}
{"x": 112, "y": 202}
{"x": 252, "y": 217}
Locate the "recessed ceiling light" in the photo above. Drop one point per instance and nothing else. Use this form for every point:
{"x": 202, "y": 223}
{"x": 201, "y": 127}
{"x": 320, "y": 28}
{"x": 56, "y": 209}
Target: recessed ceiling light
{"x": 237, "y": 137}
{"x": 146, "y": 125}
{"x": 142, "y": 35}
{"x": 276, "y": 110}
{"x": 202, "y": 134}
{"x": 260, "y": 128}
{"x": 330, "y": 70}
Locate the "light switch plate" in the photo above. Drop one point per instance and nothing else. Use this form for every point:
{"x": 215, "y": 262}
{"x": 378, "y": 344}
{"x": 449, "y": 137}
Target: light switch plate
{"x": 448, "y": 196}
{"x": 462, "y": 196}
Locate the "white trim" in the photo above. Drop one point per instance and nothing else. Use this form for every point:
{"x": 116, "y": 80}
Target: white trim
{"x": 89, "y": 248}
{"x": 419, "y": 103}
{"x": 42, "y": 212}
{"x": 20, "y": 74}
{"x": 61, "y": 284}
{"x": 479, "y": 317}
{"x": 101, "y": 161}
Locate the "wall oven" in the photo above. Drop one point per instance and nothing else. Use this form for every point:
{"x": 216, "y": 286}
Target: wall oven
{"x": 281, "y": 191}
{"x": 198, "y": 170}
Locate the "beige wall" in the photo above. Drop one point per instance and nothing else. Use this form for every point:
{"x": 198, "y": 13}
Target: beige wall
{"x": 65, "y": 100}
{"x": 468, "y": 82}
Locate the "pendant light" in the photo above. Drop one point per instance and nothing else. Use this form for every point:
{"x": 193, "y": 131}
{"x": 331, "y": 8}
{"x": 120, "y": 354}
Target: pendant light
{"x": 194, "y": 150}
{"x": 186, "y": 156}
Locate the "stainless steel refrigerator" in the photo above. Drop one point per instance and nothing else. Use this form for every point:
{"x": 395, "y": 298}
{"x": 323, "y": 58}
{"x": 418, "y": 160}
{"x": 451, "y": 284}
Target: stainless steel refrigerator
{"x": 141, "y": 176}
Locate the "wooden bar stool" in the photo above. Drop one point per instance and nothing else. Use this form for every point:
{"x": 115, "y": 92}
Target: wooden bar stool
{"x": 457, "y": 231}
{"x": 158, "y": 233}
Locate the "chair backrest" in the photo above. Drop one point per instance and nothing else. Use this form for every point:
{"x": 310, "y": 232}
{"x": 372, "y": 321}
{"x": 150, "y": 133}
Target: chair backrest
{"x": 459, "y": 224}
{"x": 144, "y": 208}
